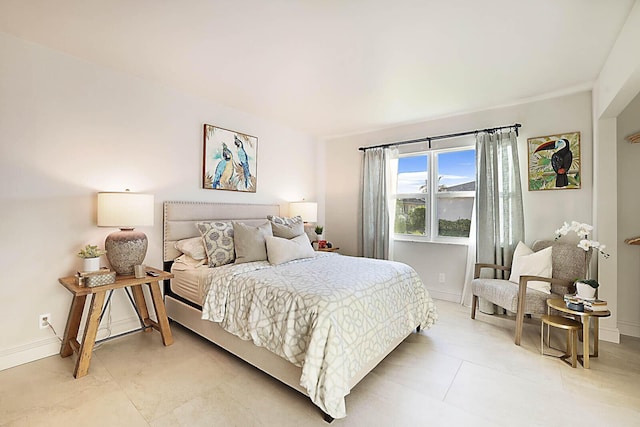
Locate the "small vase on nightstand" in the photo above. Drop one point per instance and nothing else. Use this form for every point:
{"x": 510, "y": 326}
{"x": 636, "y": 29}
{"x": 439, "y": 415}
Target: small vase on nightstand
{"x": 90, "y": 255}
{"x": 91, "y": 264}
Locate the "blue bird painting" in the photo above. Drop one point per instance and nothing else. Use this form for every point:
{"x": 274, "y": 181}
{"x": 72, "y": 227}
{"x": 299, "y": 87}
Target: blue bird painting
{"x": 244, "y": 161}
{"x": 224, "y": 169}
{"x": 230, "y": 160}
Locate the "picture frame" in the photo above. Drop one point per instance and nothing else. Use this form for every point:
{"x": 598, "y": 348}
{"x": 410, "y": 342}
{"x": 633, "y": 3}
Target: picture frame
{"x": 230, "y": 160}
{"x": 554, "y": 162}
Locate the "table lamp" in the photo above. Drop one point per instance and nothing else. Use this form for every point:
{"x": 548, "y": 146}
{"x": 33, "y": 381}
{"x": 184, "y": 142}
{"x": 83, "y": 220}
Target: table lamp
{"x": 125, "y": 210}
{"x": 309, "y": 213}
{"x": 307, "y": 210}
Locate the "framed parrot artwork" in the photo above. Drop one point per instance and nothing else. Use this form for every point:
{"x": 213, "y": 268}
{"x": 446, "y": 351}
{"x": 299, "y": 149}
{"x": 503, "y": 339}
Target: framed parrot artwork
{"x": 554, "y": 162}
{"x": 230, "y": 160}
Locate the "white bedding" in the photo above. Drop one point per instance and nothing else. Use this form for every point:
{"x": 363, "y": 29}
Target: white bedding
{"x": 330, "y": 314}
{"x": 190, "y": 279}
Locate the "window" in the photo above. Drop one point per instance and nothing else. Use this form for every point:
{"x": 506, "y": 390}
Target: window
{"x": 434, "y": 195}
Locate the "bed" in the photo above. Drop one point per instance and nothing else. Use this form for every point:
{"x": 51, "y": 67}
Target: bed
{"x": 317, "y": 324}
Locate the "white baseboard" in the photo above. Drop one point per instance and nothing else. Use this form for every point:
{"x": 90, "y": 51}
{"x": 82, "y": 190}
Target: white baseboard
{"x": 445, "y": 296}
{"x": 19, "y": 355}
{"x": 29, "y": 352}
{"x": 629, "y": 328}
{"x": 610, "y": 335}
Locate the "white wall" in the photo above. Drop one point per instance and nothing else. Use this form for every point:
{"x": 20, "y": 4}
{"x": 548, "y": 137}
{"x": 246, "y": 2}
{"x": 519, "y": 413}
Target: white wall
{"x": 68, "y": 129}
{"x": 617, "y": 85}
{"x": 545, "y": 211}
{"x": 628, "y": 221}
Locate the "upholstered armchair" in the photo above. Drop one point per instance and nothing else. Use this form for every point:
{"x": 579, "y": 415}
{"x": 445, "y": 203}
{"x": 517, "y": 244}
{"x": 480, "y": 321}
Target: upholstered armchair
{"x": 569, "y": 263}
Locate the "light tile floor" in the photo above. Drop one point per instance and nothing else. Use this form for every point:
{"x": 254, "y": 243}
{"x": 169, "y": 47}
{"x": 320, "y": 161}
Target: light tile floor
{"x": 461, "y": 372}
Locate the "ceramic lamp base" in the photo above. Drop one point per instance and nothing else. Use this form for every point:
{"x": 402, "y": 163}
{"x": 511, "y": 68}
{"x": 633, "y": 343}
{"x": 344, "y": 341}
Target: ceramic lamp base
{"x": 125, "y": 249}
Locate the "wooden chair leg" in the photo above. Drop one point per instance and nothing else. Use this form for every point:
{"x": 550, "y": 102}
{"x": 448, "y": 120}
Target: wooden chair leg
{"x": 474, "y": 304}
{"x": 519, "y": 326}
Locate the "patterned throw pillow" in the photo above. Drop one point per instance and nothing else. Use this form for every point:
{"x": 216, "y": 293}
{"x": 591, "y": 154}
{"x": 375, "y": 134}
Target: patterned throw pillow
{"x": 287, "y": 228}
{"x": 217, "y": 237}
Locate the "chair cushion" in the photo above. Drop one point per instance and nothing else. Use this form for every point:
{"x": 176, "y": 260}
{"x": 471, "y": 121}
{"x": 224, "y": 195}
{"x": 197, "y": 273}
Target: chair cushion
{"x": 505, "y": 294}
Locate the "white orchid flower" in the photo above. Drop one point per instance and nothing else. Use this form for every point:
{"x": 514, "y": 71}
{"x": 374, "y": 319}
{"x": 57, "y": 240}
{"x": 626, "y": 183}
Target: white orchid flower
{"x": 584, "y": 244}
{"x": 582, "y": 230}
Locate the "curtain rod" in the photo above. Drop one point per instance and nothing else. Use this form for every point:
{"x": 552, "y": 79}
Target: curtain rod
{"x": 451, "y": 135}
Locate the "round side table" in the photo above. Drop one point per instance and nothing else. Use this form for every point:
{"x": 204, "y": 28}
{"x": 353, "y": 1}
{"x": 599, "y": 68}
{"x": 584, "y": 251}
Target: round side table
{"x": 585, "y": 317}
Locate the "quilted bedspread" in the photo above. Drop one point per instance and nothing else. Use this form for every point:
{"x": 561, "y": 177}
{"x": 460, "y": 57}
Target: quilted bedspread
{"x": 329, "y": 315}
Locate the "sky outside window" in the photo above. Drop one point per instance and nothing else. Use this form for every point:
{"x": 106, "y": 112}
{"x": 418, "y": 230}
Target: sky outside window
{"x": 412, "y": 174}
{"x": 454, "y": 167}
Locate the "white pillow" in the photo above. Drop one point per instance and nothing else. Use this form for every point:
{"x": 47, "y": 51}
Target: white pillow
{"x": 192, "y": 247}
{"x": 281, "y": 250}
{"x": 529, "y": 263}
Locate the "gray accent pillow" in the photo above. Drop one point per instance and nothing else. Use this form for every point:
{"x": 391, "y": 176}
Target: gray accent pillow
{"x": 249, "y": 242}
{"x": 287, "y": 228}
{"x": 217, "y": 237}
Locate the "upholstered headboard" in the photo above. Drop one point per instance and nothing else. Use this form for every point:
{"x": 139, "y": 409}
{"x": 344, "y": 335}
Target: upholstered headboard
{"x": 180, "y": 219}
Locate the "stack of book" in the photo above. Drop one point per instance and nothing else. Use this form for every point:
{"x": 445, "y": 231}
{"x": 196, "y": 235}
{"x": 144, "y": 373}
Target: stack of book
{"x": 574, "y": 302}
{"x": 595, "y": 305}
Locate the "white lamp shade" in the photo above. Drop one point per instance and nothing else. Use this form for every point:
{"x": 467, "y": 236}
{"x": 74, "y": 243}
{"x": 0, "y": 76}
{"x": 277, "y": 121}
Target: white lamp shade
{"x": 125, "y": 210}
{"x": 307, "y": 210}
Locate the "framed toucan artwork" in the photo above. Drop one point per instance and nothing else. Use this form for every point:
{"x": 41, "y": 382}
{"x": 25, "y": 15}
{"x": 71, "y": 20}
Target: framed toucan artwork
{"x": 230, "y": 160}
{"x": 554, "y": 162}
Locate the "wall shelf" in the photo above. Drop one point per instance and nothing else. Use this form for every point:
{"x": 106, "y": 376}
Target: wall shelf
{"x": 633, "y": 241}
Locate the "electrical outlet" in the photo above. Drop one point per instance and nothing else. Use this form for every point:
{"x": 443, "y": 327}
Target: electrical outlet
{"x": 44, "y": 320}
{"x": 441, "y": 278}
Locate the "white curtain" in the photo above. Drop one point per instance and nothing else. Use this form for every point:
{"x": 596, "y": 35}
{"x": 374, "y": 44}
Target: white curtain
{"x": 500, "y": 216}
{"x": 471, "y": 260}
{"x": 378, "y": 178}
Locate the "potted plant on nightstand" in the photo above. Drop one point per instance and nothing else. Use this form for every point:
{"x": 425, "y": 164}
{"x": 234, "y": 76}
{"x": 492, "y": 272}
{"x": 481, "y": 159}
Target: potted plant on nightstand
{"x": 90, "y": 255}
{"x": 321, "y": 242}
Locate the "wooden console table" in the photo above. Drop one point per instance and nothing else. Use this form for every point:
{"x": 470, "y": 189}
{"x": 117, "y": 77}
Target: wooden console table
{"x": 70, "y": 342}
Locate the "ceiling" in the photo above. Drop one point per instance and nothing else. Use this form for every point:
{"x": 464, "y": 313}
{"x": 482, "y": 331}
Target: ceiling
{"x": 332, "y": 67}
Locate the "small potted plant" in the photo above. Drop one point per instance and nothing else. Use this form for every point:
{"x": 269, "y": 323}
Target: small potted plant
{"x": 90, "y": 255}
{"x": 586, "y": 288}
{"x": 320, "y": 238}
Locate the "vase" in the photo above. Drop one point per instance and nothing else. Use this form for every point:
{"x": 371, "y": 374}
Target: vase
{"x": 91, "y": 264}
{"x": 585, "y": 291}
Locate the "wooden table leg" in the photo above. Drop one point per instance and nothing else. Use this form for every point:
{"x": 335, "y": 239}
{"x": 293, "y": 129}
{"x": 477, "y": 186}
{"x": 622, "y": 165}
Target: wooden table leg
{"x": 73, "y": 324}
{"x": 141, "y": 304}
{"x": 161, "y": 313}
{"x": 574, "y": 347}
{"x": 585, "y": 343}
{"x": 596, "y": 335}
{"x": 89, "y": 338}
